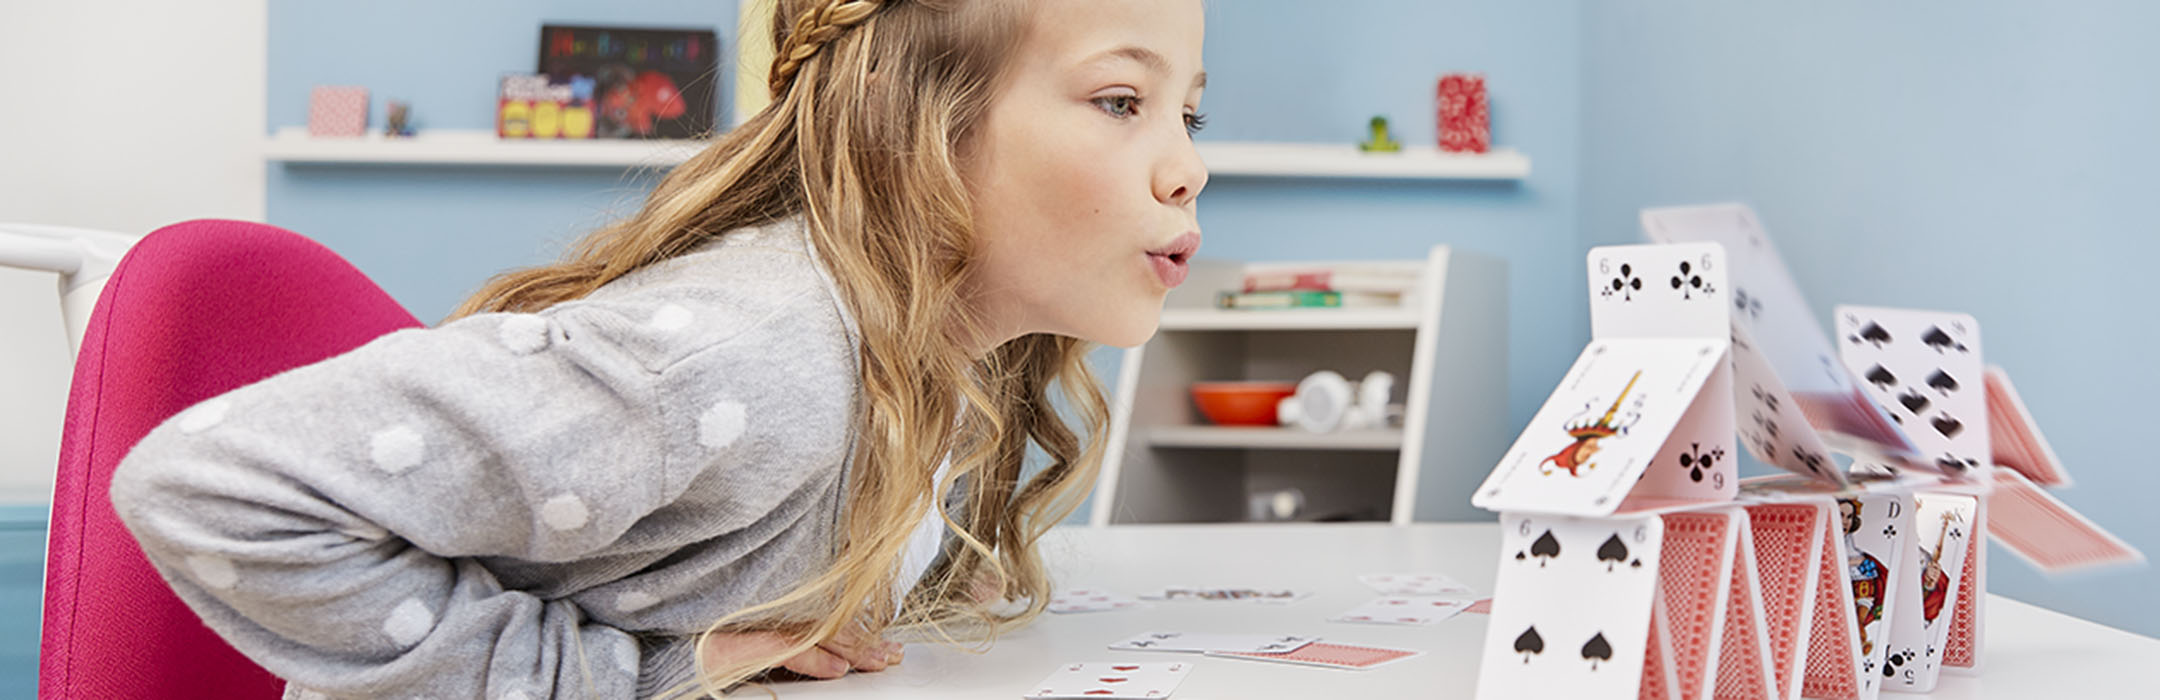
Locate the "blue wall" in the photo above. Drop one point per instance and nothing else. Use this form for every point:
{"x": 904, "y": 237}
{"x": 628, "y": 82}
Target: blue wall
{"x": 1287, "y": 70}
{"x": 1987, "y": 157}
{"x": 1979, "y": 158}
{"x": 431, "y": 235}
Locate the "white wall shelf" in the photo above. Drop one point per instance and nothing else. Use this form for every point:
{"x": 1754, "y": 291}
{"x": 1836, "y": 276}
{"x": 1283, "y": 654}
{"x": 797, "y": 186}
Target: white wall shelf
{"x": 1446, "y": 345}
{"x": 1346, "y": 161}
{"x": 452, "y": 147}
{"x": 1209, "y": 436}
{"x": 1225, "y": 159}
{"x": 1288, "y": 319}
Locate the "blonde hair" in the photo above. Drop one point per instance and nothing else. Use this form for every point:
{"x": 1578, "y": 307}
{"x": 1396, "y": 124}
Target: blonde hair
{"x": 872, "y": 101}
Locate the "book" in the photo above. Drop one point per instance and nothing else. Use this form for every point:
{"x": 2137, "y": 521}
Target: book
{"x": 1378, "y": 280}
{"x": 647, "y": 83}
{"x": 531, "y": 106}
{"x": 1304, "y": 299}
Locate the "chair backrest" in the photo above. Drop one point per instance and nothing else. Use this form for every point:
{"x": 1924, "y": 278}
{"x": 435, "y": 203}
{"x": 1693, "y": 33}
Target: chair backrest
{"x": 84, "y": 258}
{"x": 194, "y": 310}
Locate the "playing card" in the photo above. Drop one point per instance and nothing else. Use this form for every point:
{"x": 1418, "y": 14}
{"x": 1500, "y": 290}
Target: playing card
{"x": 1227, "y": 594}
{"x": 1695, "y": 464}
{"x": 1413, "y": 584}
{"x": 1591, "y": 442}
{"x": 1481, "y": 606}
{"x": 1344, "y": 656}
{"x": 1403, "y": 610}
{"x": 1115, "y": 681}
{"x": 1202, "y": 641}
{"x": 1924, "y": 368}
{"x": 1768, "y": 304}
{"x": 1940, "y": 532}
{"x": 1090, "y": 600}
{"x": 1573, "y": 617}
{"x": 1877, "y": 527}
{"x": 1658, "y": 291}
{"x": 2033, "y": 525}
{"x": 2015, "y": 438}
{"x": 1769, "y": 420}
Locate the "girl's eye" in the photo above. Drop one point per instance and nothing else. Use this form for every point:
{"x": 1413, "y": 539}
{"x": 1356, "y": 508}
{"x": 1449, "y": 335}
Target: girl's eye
{"x": 1120, "y": 106}
{"x": 1194, "y": 122}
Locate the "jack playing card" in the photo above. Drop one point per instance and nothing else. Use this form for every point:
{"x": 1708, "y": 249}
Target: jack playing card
{"x": 1614, "y": 413}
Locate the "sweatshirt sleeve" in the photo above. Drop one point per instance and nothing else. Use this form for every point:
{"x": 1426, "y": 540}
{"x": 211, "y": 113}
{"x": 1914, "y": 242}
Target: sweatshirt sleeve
{"x": 327, "y": 521}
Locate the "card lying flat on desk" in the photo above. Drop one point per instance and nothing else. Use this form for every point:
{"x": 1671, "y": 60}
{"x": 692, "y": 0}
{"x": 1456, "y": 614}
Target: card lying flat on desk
{"x": 1403, "y": 610}
{"x": 1198, "y": 642}
{"x": 1412, "y": 584}
{"x": 1227, "y": 593}
{"x": 1090, "y": 600}
{"x": 1111, "y": 680}
{"x": 1348, "y": 656}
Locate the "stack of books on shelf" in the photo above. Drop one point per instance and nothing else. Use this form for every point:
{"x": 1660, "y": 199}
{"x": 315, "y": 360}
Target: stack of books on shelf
{"x": 1321, "y": 286}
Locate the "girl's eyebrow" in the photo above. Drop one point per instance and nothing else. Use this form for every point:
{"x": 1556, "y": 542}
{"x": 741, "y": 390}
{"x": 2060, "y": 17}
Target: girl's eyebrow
{"x": 1154, "y": 62}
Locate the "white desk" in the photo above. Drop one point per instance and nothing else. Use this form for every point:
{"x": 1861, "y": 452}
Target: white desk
{"x": 2030, "y": 653}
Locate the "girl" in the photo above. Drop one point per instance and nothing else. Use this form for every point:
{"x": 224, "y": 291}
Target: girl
{"x": 709, "y": 442}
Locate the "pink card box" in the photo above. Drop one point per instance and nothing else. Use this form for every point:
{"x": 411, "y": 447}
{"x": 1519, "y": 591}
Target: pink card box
{"x": 337, "y": 112}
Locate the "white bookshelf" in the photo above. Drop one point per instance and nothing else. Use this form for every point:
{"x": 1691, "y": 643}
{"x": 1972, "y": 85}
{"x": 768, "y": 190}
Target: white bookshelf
{"x": 447, "y": 147}
{"x": 456, "y": 147}
{"x": 1446, "y": 346}
{"x": 1240, "y": 437}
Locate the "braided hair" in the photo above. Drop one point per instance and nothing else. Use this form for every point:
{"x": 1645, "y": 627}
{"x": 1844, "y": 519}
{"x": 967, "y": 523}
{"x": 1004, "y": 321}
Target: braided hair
{"x": 812, "y": 31}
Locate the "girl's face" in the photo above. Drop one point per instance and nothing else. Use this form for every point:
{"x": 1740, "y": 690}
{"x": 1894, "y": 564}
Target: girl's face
{"x": 1083, "y": 174}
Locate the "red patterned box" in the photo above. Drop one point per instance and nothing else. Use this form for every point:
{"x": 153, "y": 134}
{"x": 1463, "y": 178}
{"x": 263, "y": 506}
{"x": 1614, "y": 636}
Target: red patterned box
{"x": 1465, "y": 123}
{"x": 337, "y": 112}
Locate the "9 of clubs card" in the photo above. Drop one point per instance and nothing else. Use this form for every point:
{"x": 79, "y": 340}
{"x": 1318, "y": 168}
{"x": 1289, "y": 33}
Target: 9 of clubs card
{"x": 1597, "y": 433}
{"x": 1573, "y": 617}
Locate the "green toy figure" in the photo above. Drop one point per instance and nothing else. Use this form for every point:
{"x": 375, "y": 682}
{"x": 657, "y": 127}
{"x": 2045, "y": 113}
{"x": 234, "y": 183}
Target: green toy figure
{"x": 1380, "y": 141}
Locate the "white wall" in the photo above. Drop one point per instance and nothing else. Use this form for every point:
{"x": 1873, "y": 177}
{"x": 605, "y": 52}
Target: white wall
{"x": 122, "y": 115}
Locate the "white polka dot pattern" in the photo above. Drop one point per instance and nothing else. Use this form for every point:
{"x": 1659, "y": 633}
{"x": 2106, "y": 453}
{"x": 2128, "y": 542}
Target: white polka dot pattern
{"x": 626, "y": 656}
{"x": 633, "y": 601}
{"x": 396, "y": 449}
{"x": 204, "y": 415}
{"x": 721, "y": 425}
{"x": 523, "y": 334}
{"x": 564, "y": 513}
{"x": 213, "y": 571}
{"x": 670, "y": 318}
{"x": 409, "y": 622}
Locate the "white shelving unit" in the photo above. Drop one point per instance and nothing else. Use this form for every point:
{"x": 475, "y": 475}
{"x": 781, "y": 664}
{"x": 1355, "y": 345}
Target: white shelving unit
{"x": 482, "y": 148}
{"x": 1446, "y": 346}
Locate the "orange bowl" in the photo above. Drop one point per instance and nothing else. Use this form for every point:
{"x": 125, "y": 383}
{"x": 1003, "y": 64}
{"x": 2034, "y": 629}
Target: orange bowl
{"x": 1241, "y": 403}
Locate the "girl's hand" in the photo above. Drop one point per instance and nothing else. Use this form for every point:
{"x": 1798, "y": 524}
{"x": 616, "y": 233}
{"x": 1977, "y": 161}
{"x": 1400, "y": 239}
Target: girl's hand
{"x": 832, "y": 658}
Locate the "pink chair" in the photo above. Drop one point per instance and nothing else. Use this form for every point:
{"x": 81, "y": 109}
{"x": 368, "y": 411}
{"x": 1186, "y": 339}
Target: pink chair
{"x": 194, "y": 310}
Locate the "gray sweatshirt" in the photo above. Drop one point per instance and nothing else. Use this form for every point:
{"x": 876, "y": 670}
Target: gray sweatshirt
{"x": 519, "y": 505}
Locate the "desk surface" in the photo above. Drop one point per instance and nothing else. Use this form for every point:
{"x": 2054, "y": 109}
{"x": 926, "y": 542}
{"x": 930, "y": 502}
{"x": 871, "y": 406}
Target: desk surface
{"x": 2030, "y": 652}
